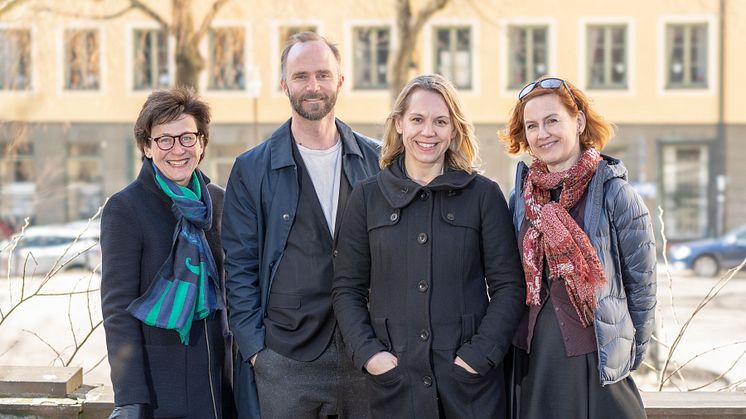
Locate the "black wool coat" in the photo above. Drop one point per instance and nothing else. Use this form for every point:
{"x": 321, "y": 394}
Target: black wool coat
{"x": 428, "y": 273}
{"x": 149, "y": 365}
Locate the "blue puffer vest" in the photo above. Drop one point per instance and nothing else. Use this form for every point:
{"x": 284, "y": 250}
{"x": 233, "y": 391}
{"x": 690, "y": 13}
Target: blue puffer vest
{"x": 619, "y": 227}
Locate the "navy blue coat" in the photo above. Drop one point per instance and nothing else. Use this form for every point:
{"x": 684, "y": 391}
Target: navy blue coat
{"x": 260, "y": 204}
{"x": 149, "y": 365}
{"x": 618, "y": 224}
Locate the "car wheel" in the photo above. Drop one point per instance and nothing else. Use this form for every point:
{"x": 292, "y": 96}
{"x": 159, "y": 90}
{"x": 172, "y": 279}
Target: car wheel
{"x": 706, "y": 266}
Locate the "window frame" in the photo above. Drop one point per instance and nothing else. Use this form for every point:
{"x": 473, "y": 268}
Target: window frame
{"x": 710, "y": 87}
{"x": 505, "y": 25}
{"x": 129, "y": 43}
{"x": 250, "y": 67}
{"x": 428, "y": 56}
{"x": 33, "y": 58}
{"x": 61, "y": 59}
{"x": 630, "y": 51}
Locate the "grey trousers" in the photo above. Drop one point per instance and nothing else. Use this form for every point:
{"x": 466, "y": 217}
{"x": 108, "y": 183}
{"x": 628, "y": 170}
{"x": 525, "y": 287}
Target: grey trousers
{"x": 328, "y": 387}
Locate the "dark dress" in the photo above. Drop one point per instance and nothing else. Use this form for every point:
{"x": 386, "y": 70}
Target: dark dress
{"x": 550, "y": 384}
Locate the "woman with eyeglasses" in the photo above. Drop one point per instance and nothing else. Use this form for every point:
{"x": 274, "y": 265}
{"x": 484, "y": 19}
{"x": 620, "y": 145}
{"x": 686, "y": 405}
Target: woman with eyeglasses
{"x": 586, "y": 242}
{"x": 162, "y": 293}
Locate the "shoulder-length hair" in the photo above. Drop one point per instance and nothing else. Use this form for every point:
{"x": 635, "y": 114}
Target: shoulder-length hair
{"x": 462, "y": 154}
{"x": 597, "y": 130}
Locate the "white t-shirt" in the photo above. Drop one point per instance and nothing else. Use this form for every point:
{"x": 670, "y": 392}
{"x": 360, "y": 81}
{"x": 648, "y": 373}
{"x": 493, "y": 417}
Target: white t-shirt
{"x": 325, "y": 169}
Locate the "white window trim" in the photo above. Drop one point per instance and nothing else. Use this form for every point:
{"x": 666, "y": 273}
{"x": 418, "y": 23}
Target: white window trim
{"x": 276, "y": 53}
{"x": 505, "y": 24}
{"x": 427, "y": 56}
{"x": 630, "y": 59}
{"x": 34, "y": 85}
{"x": 712, "y": 53}
{"x": 348, "y": 64}
{"x": 103, "y": 84}
{"x": 129, "y": 46}
{"x": 250, "y": 70}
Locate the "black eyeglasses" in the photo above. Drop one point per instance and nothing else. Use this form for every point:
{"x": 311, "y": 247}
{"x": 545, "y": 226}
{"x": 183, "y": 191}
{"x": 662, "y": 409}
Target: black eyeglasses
{"x": 548, "y": 83}
{"x": 186, "y": 139}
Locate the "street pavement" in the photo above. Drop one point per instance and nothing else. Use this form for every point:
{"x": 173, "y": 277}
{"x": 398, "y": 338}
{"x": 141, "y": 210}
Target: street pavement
{"x": 722, "y": 322}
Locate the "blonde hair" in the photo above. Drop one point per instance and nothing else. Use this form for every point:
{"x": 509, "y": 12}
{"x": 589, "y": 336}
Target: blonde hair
{"x": 463, "y": 152}
{"x": 597, "y": 130}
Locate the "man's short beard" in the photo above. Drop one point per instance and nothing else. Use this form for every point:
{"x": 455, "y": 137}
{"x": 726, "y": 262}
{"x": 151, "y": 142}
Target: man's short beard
{"x": 320, "y": 110}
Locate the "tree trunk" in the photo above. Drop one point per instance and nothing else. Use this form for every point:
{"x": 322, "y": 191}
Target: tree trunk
{"x": 189, "y": 61}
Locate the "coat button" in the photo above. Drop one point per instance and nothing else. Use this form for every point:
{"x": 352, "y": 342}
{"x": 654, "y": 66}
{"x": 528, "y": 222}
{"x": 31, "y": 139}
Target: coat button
{"x": 335, "y": 253}
{"x": 286, "y": 217}
{"x": 450, "y": 216}
{"x": 422, "y": 238}
{"x": 422, "y": 286}
{"x": 423, "y": 195}
{"x": 394, "y": 216}
{"x": 427, "y": 381}
{"x": 424, "y": 335}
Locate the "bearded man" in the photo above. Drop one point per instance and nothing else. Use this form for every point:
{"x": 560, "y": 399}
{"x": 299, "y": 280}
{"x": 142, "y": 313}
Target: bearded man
{"x": 283, "y": 200}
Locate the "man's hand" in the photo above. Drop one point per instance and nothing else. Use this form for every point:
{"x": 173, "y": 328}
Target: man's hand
{"x": 381, "y": 363}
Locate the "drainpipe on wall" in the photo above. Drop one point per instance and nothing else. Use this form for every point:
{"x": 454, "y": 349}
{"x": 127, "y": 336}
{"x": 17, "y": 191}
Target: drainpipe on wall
{"x": 720, "y": 143}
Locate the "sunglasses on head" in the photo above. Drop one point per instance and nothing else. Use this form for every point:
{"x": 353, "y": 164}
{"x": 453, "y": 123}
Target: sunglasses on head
{"x": 548, "y": 83}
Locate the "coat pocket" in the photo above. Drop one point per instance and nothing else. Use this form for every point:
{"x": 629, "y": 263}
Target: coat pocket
{"x": 167, "y": 369}
{"x": 280, "y": 308}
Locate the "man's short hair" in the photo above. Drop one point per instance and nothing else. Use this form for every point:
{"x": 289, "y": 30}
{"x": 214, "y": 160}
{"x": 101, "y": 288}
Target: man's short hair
{"x": 301, "y": 37}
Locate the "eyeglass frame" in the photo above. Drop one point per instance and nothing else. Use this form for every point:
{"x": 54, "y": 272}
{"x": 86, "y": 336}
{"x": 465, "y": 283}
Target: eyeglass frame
{"x": 531, "y": 86}
{"x": 156, "y": 140}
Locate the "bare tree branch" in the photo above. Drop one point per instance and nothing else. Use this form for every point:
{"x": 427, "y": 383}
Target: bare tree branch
{"x": 82, "y": 343}
{"x": 43, "y": 341}
{"x": 207, "y": 20}
{"x": 682, "y": 366}
{"x": 94, "y": 16}
{"x": 95, "y": 365}
{"x": 8, "y": 5}
{"x": 711, "y": 294}
{"x": 721, "y": 375}
{"x": 137, "y": 4}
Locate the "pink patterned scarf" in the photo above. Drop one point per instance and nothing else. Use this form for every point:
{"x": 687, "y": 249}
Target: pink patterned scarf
{"x": 554, "y": 233}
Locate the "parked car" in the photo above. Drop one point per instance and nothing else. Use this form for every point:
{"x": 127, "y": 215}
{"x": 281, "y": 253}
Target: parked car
{"x": 709, "y": 257}
{"x": 40, "y": 247}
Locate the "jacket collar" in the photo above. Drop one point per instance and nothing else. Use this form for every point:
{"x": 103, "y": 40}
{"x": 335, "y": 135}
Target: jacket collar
{"x": 399, "y": 190}
{"x": 281, "y": 147}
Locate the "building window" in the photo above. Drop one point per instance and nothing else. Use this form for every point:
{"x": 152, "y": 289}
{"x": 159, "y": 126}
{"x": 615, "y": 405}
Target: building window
{"x": 685, "y": 181}
{"x": 371, "y": 46}
{"x": 15, "y": 59}
{"x": 607, "y": 57}
{"x": 453, "y": 55}
{"x": 82, "y": 60}
{"x": 84, "y": 180}
{"x": 17, "y": 181}
{"x": 219, "y": 161}
{"x": 528, "y": 47}
{"x": 227, "y": 58}
{"x": 151, "y": 59}
{"x": 686, "y": 56}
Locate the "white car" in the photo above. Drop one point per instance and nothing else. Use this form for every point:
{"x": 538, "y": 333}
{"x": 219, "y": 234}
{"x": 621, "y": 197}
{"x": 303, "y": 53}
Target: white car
{"x": 41, "y": 248}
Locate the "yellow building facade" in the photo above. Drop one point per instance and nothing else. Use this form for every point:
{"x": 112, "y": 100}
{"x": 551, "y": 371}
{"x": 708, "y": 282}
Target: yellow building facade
{"x": 665, "y": 72}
